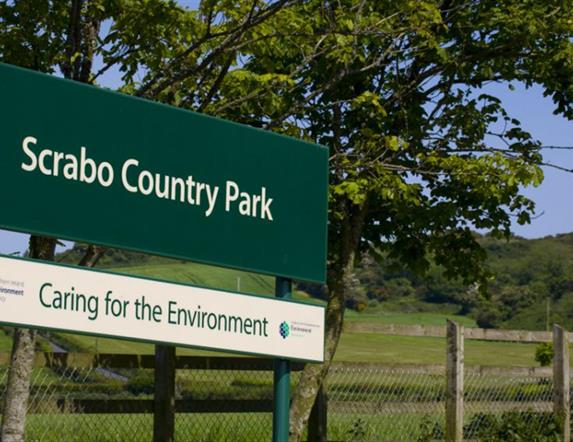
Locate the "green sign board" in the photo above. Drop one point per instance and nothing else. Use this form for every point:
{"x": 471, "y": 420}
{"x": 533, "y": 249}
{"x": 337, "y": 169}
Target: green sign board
{"x": 86, "y": 164}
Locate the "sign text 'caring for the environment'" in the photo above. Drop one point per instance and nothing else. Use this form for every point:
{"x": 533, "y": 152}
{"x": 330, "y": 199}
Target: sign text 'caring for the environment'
{"x": 58, "y": 297}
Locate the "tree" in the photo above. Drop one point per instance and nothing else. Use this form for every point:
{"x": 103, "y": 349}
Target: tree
{"x": 419, "y": 155}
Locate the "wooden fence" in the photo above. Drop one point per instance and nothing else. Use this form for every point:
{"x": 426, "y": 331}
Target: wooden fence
{"x": 438, "y": 331}
{"x": 455, "y": 380}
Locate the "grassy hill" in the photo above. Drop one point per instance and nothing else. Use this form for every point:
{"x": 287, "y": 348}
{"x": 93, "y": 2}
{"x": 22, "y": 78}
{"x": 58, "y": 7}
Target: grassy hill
{"x": 531, "y": 286}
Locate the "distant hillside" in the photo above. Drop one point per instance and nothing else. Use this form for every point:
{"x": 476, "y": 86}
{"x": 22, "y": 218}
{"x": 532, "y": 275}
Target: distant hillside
{"x": 531, "y": 285}
{"x": 531, "y": 277}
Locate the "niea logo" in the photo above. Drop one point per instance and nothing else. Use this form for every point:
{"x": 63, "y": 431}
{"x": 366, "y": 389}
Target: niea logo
{"x": 284, "y": 329}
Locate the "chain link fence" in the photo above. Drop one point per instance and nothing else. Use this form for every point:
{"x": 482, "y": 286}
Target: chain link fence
{"x": 366, "y": 402}
{"x": 249, "y": 387}
{"x": 70, "y": 404}
{"x": 518, "y": 400}
{"x": 373, "y": 402}
{"x": 52, "y": 415}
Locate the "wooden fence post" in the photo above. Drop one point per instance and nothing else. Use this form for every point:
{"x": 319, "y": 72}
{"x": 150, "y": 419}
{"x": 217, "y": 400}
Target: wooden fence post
{"x": 318, "y": 417}
{"x": 164, "y": 398}
{"x": 455, "y": 382}
{"x": 561, "y": 379}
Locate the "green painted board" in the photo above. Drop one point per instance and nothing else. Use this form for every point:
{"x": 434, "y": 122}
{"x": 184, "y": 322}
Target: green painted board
{"x": 82, "y": 163}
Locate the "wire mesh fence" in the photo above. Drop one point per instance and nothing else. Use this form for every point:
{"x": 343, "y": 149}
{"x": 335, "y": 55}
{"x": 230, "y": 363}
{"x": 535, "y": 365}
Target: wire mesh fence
{"x": 70, "y": 404}
{"x": 374, "y": 402}
{"x": 229, "y": 385}
{"x": 53, "y": 416}
{"x": 496, "y": 400}
{"x": 366, "y": 402}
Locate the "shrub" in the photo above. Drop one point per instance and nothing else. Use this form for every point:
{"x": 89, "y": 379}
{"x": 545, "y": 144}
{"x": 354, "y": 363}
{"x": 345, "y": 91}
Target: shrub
{"x": 544, "y": 354}
{"x": 488, "y": 317}
{"x": 430, "y": 430}
{"x": 514, "y": 426}
{"x": 142, "y": 382}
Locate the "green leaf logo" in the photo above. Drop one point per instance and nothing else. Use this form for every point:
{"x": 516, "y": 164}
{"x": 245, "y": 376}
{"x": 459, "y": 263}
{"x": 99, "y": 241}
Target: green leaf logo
{"x": 284, "y": 329}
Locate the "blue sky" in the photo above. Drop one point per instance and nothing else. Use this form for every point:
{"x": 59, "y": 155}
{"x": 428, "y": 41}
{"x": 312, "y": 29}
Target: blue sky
{"x": 536, "y": 115}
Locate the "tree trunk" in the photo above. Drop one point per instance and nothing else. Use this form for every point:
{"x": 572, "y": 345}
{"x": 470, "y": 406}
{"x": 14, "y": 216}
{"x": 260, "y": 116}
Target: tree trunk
{"x": 313, "y": 374}
{"x": 339, "y": 280}
{"x": 82, "y": 38}
{"x": 23, "y": 346}
{"x": 92, "y": 256}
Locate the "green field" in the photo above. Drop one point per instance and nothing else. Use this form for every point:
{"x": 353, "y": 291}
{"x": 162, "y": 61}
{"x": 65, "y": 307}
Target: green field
{"x": 229, "y": 427}
{"x": 366, "y": 347}
{"x": 372, "y": 347}
{"x": 205, "y": 276}
{"x": 5, "y": 342}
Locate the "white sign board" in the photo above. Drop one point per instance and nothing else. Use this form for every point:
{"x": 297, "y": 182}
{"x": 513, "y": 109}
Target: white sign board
{"x": 41, "y": 295}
